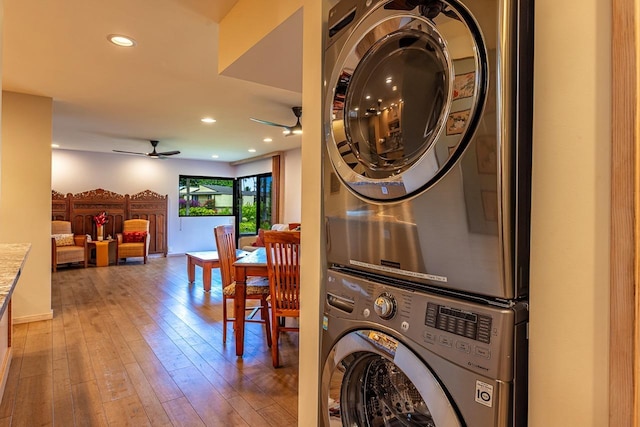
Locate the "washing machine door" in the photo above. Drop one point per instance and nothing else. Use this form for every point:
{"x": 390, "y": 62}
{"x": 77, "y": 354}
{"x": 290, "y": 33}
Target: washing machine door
{"x": 371, "y": 379}
{"x": 404, "y": 93}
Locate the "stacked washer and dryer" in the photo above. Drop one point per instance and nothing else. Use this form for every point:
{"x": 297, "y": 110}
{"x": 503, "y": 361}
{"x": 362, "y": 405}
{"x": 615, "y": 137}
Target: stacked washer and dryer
{"x": 427, "y": 122}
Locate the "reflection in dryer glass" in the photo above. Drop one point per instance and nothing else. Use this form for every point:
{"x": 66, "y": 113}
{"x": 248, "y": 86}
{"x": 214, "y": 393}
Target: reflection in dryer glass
{"x": 370, "y": 390}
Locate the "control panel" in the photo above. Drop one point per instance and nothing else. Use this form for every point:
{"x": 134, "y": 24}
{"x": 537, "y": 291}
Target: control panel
{"x": 459, "y": 322}
{"x": 476, "y": 336}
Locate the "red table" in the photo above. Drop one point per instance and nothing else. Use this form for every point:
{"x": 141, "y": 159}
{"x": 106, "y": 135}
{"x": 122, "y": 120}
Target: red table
{"x": 254, "y": 264}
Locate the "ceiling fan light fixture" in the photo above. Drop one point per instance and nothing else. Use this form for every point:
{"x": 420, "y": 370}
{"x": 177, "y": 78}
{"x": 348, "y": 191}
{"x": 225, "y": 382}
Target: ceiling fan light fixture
{"x": 153, "y": 154}
{"x": 120, "y": 40}
{"x": 287, "y": 130}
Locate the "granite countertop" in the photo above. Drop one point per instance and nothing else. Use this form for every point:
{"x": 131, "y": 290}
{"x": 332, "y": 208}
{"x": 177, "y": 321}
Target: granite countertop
{"x": 12, "y": 258}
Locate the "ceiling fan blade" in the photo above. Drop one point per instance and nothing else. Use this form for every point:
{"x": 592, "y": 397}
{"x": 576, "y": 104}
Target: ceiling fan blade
{"x": 129, "y": 152}
{"x": 169, "y": 153}
{"x": 264, "y": 122}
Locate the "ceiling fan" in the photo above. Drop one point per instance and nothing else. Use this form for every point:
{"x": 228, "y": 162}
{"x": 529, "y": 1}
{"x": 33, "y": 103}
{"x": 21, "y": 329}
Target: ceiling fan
{"x": 288, "y": 130}
{"x": 154, "y": 154}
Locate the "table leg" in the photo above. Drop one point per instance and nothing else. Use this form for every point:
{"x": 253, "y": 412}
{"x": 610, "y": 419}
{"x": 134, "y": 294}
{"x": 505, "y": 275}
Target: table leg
{"x": 206, "y": 276}
{"x": 191, "y": 269}
{"x": 239, "y": 308}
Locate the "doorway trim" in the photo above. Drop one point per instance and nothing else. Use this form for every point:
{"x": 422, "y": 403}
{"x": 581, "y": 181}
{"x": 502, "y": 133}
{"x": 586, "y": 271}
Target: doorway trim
{"x": 625, "y": 212}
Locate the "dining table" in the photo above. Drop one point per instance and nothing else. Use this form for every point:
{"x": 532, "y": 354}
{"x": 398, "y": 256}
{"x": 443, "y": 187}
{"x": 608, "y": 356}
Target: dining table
{"x": 253, "y": 264}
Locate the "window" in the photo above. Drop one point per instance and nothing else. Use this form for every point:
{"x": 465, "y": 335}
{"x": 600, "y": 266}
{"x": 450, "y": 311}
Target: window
{"x": 254, "y": 192}
{"x": 205, "y": 196}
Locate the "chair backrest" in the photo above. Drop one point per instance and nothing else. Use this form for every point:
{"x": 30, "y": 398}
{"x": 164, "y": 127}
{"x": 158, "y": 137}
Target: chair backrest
{"x": 226, "y": 246}
{"x": 283, "y": 264}
{"x": 135, "y": 225}
{"x": 61, "y": 227}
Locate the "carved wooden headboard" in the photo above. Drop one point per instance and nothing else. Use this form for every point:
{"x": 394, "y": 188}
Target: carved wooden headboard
{"x": 80, "y": 209}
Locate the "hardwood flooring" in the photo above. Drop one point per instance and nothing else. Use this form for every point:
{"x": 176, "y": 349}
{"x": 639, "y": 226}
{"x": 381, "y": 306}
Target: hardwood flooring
{"x": 137, "y": 345}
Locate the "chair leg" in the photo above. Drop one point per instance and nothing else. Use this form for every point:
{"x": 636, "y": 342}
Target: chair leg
{"x": 224, "y": 320}
{"x": 265, "y": 316}
{"x": 275, "y": 335}
{"x": 145, "y": 259}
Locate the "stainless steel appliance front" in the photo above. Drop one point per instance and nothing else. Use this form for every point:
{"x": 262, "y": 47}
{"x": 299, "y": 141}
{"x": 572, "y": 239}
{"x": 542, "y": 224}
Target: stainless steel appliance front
{"x": 393, "y": 356}
{"x": 427, "y": 130}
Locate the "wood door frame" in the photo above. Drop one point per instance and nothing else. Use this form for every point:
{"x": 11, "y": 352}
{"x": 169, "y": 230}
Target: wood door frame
{"x": 625, "y": 211}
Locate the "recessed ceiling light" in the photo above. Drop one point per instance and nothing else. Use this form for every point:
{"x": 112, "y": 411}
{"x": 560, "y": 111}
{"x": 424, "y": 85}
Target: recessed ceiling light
{"x": 267, "y": 140}
{"x": 120, "y": 40}
{"x": 215, "y": 156}
{"x": 55, "y": 146}
{"x": 208, "y": 120}
{"x": 252, "y": 150}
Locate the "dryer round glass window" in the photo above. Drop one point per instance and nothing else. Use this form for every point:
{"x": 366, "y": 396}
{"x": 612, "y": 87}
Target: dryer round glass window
{"x": 405, "y": 95}
{"x": 374, "y": 380}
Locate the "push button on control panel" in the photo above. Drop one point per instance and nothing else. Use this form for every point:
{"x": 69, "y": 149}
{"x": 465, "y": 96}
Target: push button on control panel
{"x": 429, "y": 337}
{"x": 483, "y": 352}
{"x": 463, "y": 346}
{"x": 445, "y": 341}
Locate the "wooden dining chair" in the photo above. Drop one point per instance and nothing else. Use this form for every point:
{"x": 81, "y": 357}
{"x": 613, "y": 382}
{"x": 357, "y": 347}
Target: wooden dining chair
{"x": 257, "y": 288}
{"x": 283, "y": 264}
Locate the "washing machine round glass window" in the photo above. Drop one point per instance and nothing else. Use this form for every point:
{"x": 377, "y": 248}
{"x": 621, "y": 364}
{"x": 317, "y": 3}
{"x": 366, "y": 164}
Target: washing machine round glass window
{"x": 407, "y": 94}
{"x": 376, "y": 381}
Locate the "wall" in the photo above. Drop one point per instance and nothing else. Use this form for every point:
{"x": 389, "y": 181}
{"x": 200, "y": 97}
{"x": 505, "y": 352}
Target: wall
{"x": 311, "y": 273}
{"x": 570, "y": 217}
{"x": 76, "y": 171}
{"x": 292, "y": 186}
{"x": 237, "y": 35}
{"x": 25, "y": 207}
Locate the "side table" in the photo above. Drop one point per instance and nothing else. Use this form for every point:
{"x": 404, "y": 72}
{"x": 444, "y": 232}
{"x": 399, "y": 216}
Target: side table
{"x": 105, "y": 252}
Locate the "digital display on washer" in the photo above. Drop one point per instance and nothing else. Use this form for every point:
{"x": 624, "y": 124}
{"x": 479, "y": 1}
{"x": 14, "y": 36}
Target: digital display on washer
{"x": 464, "y": 323}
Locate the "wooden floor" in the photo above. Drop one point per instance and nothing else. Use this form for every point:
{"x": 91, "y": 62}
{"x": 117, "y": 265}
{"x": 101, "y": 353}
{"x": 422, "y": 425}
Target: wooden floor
{"x": 137, "y": 345}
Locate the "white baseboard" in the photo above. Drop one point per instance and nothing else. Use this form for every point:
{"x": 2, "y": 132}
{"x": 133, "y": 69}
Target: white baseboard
{"x": 33, "y": 318}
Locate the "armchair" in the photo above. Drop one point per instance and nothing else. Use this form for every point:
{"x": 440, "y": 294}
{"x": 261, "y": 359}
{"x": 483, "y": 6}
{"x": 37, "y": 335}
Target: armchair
{"x": 133, "y": 241}
{"x": 66, "y": 248}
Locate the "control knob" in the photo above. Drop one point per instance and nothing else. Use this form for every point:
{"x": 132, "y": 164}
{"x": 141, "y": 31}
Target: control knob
{"x": 385, "y": 306}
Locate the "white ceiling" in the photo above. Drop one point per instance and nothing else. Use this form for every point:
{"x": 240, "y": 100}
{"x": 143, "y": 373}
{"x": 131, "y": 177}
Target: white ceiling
{"x": 106, "y": 97}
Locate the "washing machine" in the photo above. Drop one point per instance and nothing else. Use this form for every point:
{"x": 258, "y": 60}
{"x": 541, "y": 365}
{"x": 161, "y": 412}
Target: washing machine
{"x": 403, "y": 357}
{"x": 427, "y": 126}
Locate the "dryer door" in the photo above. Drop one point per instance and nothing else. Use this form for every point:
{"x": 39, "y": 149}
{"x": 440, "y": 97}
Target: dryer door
{"x": 404, "y": 93}
{"x": 372, "y": 379}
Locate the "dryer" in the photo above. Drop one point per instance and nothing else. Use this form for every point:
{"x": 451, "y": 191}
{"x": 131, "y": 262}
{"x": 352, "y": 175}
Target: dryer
{"x": 427, "y": 128}
{"x": 397, "y": 356}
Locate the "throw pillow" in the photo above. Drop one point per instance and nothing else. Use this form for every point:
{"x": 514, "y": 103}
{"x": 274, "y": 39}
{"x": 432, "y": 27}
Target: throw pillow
{"x": 133, "y": 236}
{"x": 64, "y": 239}
{"x": 260, "y": 239}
